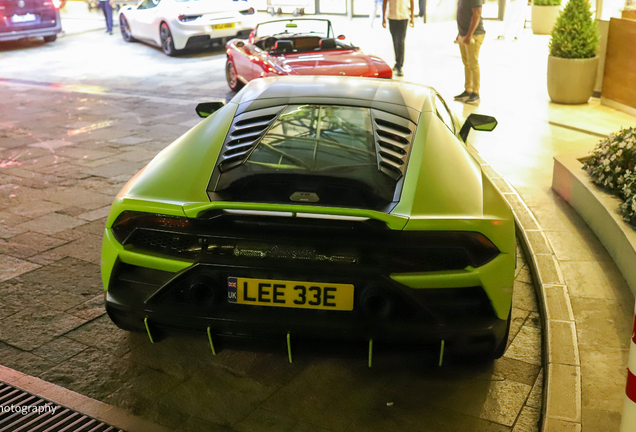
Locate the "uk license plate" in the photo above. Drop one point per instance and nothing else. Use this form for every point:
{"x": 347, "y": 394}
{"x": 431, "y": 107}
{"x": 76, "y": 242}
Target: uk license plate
{"x": 223, "y": 26}
{"x": 291, "y": 294}
{"x": 23, "y": 18}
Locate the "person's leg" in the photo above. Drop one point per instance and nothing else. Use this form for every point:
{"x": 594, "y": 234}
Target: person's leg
{"x": 468, "y": 76}
{"x": 109, "y": 16}
{"x": 393, "y": 30}
{"x": 472, "y": 56}
{"x": 102, "y": 6}
{"x": 404, "y": 25}
{"x": 398, "y": 33}
{"x": 374, "y": 11}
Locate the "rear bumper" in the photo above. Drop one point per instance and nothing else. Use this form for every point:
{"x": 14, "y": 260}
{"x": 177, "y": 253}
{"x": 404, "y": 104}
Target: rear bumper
{"x": 164, "y": 300}
{"x": 459, "y": 339}
{"x": 35, "y": 32}
{"x": 202, "y": 41}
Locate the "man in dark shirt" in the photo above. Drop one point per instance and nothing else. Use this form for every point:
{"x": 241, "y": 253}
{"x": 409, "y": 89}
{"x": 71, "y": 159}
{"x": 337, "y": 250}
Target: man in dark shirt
{"x": 471, "y": 35}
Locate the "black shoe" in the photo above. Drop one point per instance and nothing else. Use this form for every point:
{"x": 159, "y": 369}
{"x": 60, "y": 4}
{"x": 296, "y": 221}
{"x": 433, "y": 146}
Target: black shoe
{"x": 473, "y": 99}
{"x": 399, "y": 72}
{"x": 463, "y": 96}
{"x": 395, "y": 68}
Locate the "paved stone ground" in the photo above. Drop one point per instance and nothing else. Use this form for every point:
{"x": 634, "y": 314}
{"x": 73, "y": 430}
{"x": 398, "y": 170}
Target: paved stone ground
{"x": 65, "y": 154}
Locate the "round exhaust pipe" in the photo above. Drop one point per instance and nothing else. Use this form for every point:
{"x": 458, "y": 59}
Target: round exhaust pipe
{"x": 376, "y": 304}
{"x": 203, "y": 290}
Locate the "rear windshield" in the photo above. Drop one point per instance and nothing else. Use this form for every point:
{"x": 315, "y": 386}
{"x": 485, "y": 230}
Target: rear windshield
{"x": 328, "y": 151}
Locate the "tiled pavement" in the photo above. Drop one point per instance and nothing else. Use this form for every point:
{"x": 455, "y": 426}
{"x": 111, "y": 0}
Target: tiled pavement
{"x": 59, "y": 175}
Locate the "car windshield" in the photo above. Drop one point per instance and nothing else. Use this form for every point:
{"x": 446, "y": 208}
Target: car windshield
{"x": 310, "y": 146}
{"x": 301, "y": 26}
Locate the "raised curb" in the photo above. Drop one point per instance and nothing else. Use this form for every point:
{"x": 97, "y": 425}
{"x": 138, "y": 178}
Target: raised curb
{"x": 599, "y": 210}
{"x": 561, "y": 408}
{"x": 109, "y": 414}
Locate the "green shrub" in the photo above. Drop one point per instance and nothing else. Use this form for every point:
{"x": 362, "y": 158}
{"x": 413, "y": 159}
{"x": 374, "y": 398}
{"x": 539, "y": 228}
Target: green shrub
{"x": 612, "y": 166}
{"x": 575, "y": 34}
{"x": 547, "y": 2}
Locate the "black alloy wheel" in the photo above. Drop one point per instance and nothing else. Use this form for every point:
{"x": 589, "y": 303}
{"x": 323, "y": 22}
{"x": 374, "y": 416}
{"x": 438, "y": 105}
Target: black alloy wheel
{"x": 167, "y": 45}
{"x": 50, "y": 38}
{"x": 232, "y": 77}
{"x": 125, "y": 29}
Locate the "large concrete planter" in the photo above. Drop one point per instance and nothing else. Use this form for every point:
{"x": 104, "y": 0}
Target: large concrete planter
{"x": 571, "y": 81}
{"x": 543, "y": 18}
{"x": 599, "y": 210}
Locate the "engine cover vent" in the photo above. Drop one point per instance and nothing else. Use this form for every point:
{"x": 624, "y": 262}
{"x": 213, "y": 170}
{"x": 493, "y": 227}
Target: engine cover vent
{"x": 393, "y": 138}
{"x": 246, "y": 131}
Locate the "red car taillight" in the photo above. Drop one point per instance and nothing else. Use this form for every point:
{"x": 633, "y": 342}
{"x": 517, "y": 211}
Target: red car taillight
{"x": 187, "y": 18}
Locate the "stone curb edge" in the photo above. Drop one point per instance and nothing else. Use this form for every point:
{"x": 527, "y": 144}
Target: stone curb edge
{"x": 109, "y": 414}
{"x": 561, "y": 408}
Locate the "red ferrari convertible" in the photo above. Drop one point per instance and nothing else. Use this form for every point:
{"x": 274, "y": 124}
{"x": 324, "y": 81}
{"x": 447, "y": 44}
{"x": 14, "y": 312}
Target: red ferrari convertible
{"x": 297, "y": 47}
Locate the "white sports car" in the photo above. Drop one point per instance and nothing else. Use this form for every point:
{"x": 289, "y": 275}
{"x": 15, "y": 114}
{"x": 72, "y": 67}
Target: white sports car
{"x": 178, "y": 24}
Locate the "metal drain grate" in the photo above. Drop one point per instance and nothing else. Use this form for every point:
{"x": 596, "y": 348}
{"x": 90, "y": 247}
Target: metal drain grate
{"x": 23, "y": 412}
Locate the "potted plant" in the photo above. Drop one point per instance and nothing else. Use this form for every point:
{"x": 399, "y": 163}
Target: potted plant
{"x": 544, "y": 14}
{"x": 572, "y": 63}
{"x": 612, "y": 166}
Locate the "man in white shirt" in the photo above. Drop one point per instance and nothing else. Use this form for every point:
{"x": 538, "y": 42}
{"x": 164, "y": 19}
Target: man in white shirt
{"x": 401, "y": 13}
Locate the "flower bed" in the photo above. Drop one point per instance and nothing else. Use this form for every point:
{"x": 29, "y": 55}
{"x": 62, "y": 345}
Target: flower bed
{"x": 612, "y": 166}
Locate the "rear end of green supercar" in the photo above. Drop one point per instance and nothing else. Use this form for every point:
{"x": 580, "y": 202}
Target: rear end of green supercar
{"x": 316, "y": 208}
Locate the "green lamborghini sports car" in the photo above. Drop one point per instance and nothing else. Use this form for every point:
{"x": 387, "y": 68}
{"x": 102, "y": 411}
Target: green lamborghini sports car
{"x": 336, "y": 208}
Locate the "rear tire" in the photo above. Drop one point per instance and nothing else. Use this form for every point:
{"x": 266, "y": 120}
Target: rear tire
{"x": 501, "y": 348}
{"x": 232, "y": 77}
{"x": 167, "y": 44}
{"x": 50, "y": 38}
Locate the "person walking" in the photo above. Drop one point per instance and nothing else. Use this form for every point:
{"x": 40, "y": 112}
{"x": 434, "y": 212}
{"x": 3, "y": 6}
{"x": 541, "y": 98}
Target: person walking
{"x": 107, "y": 7}
{"x": 374, "y": 10}
{"x": 470, "y": 26}
{"x": 400, "y": 14}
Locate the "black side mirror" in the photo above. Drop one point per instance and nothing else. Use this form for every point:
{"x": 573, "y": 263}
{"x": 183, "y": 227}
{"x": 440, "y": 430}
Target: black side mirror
{"x": 206, "y": 109}
{"x": 478, "y": 122}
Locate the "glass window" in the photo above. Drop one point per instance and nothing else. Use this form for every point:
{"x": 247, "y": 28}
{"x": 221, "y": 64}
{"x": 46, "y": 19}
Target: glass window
{"x": 303, "y": 26}
{"x": 148, "y": 4}
{"x": 318, "y": 138}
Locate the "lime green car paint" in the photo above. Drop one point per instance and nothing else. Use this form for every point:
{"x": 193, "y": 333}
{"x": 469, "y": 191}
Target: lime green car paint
{"x": 444, "y": 190}
{"x": 446, "y": 182}
{"x": 492, "y": 276}
{"x": 113, "y": 251}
